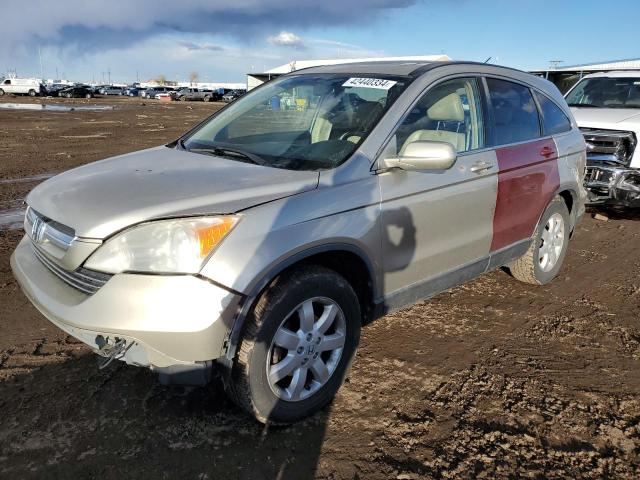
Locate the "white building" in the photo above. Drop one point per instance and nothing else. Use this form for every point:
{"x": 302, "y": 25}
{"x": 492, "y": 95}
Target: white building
{"x": 256, "y": 79}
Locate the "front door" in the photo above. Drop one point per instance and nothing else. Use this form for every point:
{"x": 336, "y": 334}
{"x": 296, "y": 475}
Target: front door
{"x": 438, "y": 223}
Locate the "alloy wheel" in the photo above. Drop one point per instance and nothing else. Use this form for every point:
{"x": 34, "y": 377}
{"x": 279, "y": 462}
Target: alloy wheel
{"x": 551, "y": 242}
{"x": 306, "y": 349}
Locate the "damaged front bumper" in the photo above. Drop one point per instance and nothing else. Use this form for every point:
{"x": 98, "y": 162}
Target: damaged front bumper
{"x": 173, "y": 324}
{"x": 612, "y": 185}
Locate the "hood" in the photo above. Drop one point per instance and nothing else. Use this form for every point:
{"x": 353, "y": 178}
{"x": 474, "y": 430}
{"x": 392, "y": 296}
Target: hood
{"x": 608, "y": 118}
{"x": 101, "y": 198}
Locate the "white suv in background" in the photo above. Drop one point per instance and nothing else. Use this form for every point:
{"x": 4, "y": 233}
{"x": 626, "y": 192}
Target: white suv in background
{"x": 607, "y": 109}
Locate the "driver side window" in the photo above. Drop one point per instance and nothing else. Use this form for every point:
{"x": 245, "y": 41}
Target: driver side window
{"x": 449, "y": 112}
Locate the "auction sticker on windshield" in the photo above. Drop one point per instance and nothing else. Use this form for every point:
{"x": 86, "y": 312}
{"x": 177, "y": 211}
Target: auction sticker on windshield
{"x": 370, "y": 83}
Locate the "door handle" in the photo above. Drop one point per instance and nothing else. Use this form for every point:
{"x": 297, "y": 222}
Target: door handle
{"x": 547, "y": 151}
{"x": 480, "y": 167}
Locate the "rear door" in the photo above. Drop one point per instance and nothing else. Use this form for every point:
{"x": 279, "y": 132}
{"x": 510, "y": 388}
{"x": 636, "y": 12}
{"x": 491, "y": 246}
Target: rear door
{"x": 435, "y": 222}
{"x": 528, "y": 176}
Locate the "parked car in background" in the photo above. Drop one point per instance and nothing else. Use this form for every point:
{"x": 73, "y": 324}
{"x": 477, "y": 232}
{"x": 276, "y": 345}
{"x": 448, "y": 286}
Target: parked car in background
{"x": 53, "y": 89}
{"x": 111, "y": 90}
{"x": 193, "y": 94}
{"x": 98, "y": 88}
{"x": 607, "y": 109}
{"x": 76, "y": 91}
{"x": 264, "y": 238}
{"x": 152, "y": 92}
{"x": 233, "y": 95}
{"x": 21, "y": 86}
{"x": 132, "y": 90}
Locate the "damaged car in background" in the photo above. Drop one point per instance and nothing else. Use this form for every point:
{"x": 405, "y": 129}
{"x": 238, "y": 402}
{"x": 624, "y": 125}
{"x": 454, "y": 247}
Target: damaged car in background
{"x": 606, "y": 107}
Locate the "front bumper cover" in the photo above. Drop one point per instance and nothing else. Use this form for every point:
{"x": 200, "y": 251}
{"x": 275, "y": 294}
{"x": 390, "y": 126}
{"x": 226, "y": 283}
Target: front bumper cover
{"x": 165, "y": 320}
{"x": 612, "y": 185}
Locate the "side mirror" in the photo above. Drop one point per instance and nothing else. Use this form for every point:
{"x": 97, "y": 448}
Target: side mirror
{"x": 421, "y": 155}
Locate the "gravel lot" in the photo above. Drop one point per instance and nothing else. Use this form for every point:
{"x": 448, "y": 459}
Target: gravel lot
{"x": 492, "y": 379}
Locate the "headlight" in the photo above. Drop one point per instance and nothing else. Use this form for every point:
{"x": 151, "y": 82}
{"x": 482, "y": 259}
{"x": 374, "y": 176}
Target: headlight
{"x": 165, "y": 246}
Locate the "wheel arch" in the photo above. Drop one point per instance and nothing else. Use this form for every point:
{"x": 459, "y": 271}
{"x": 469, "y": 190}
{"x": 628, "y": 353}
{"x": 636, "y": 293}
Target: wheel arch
{"x": 347, "y": 259}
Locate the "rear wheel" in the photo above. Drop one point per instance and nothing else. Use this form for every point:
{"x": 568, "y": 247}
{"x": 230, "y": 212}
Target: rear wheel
{"x": 88, "y": 95}
{"x": 207, "y": 98}
{"x": 297, "y": 345}
{"x": 1, "y": 92}
{"x": 32, "y": 93}
{"x": 543, "y": 260}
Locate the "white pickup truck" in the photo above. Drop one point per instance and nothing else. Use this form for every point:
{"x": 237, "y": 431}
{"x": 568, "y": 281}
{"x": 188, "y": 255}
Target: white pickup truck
{"x": 21, "y": 86}
{"x": 606, "y": 107}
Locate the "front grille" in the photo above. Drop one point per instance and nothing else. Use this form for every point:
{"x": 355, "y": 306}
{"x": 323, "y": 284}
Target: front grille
{"x": 47, "y": 230}
{"x": 613, "y": 147}
{"x": 87, "y": 281}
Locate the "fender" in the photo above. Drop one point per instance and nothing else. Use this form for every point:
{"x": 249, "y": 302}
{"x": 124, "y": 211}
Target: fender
{"x": 233, "y": 337}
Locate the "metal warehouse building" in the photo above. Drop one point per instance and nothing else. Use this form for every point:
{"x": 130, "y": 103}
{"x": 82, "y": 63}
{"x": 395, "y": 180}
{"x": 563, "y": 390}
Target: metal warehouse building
{"x": 256, "y": 79}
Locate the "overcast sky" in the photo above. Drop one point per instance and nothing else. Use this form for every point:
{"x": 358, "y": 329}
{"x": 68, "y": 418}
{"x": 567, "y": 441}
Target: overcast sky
{"x": 84, "y": 39}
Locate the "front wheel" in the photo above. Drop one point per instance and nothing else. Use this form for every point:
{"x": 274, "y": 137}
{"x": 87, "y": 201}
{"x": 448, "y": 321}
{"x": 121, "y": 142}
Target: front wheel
{"x": 1, "y": 92}
{"x": 207, "y": 98}
{"x": 32, "y": 93}
{"x": 297, "y": 345}
{"x": 543, "y": 260}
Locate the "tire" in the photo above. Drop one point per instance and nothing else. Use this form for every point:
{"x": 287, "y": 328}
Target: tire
{"x": 279, "y": 305}
{"x": 207, "y": 98}
{"x": 1, "y": 92}
{"x": 32, "y": 93}
{"x": 535, "y": 267}
{"x": 88, "y": 95}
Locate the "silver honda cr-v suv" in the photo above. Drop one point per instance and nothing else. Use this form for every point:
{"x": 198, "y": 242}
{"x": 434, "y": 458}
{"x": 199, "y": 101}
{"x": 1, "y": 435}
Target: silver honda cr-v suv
{"x": 265, "y": 237}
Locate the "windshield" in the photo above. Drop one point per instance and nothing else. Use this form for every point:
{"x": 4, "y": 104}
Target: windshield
{"x": 606, "y": 92}
{"x": 305, "y": 122}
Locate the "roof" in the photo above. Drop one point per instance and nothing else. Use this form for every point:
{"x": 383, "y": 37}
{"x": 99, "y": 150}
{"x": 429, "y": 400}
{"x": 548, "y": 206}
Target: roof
{"x": 300, "y": 64}
{"x": 618, "y": 74}
{"x": 628, "y": 64}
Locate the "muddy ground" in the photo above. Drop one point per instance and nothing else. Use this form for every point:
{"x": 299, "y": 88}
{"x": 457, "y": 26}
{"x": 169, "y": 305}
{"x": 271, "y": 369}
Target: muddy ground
{"x": 492, "y": 379}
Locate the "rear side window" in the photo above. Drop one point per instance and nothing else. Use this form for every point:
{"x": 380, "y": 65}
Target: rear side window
{"x": 554, "y": 120}
{"x": 515, "y": 116}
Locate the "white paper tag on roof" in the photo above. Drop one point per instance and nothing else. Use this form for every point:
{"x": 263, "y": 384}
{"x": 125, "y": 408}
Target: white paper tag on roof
{"x": 379, "y": 83}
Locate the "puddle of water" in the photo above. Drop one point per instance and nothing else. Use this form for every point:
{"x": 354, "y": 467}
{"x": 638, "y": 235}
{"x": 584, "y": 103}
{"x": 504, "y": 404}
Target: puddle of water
{"x": 12, "y": 219}
{"x": 54, "y": 108}
{"x": 11, "y": 214}
{"x": 32, "y": 178}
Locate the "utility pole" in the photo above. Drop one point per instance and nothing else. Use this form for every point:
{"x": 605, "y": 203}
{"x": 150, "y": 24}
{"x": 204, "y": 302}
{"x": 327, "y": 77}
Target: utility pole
{"x": 41, "y": 69}
{"x": 555, "y": 63}
{"x": 109, "y": 73}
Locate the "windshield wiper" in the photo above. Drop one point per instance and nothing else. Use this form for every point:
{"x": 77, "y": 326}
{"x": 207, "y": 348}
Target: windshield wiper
{"x": 588, "y": 105}
{"x": 230, "y": 152}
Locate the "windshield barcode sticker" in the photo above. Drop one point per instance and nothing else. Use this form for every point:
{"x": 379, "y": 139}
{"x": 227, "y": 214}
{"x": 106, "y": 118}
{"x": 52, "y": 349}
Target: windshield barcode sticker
{"x": 380, "y": 83}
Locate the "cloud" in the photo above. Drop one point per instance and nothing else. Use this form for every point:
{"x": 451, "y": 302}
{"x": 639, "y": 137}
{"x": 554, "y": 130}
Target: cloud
{"x": 88, "y": 21}
{"x": 286, "y": 39}
{"x": 86, "y": 38}
{"x": 193, "y": 46}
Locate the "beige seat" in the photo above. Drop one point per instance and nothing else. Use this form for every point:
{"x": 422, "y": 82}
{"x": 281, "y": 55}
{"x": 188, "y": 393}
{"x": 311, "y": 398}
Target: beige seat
{"x": 447, "y": 109}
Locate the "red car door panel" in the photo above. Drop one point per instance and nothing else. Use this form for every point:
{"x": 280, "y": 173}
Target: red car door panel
{"x": 528, "y": 179}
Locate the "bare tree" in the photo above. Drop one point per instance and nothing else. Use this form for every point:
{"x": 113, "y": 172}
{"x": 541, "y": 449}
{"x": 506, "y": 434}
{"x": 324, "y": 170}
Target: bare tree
{"x": 161, "y": 80}
{"x": 193, "y": 78}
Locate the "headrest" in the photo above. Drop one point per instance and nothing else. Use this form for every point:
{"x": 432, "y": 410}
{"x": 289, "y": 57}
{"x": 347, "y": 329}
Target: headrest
{"x": 447, "y": 109}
